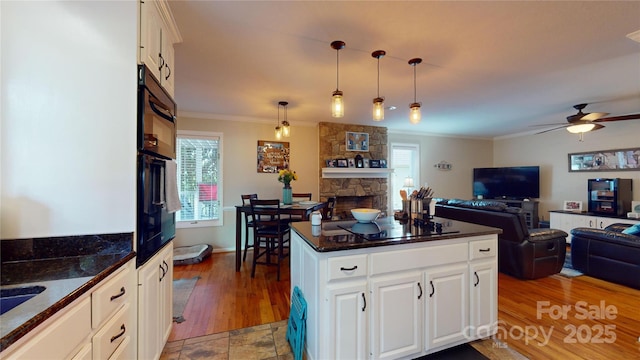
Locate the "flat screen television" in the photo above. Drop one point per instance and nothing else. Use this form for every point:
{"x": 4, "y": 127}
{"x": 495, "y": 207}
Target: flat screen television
{"x": 515, "y": 183}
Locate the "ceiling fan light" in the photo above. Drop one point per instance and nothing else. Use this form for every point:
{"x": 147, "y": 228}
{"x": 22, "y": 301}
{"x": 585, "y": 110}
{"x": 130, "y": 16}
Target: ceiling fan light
{"x": 414, "y": 113}
{"x": 337, "y": 104}
{"x": 378, "y": 109}
{"x": 580, "y": 128}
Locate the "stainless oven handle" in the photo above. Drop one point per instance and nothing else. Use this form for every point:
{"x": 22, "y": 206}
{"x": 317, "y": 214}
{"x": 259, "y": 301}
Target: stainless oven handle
{"x": 162, "y": 111}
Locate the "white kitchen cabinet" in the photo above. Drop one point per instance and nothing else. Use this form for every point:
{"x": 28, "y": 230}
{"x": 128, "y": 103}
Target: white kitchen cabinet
{"x": 158, "y": 34}
{"x": 566, "y": 221}
{"x": 348, "y": 325}
{"x": 447, "y": 305}
{"x": 155, "y": 288}
{"x": 483, "y": 288}
{"x": 396, "y": 314}
{"x": 70, "y": 334}
{"x": 374, "y": 302}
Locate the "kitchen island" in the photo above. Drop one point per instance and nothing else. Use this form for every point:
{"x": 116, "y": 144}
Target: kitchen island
{"x": 387, "y": 290}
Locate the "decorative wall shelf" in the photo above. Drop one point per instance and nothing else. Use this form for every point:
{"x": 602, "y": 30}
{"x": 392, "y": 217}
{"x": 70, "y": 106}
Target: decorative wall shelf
{"x": 328, "y": 173}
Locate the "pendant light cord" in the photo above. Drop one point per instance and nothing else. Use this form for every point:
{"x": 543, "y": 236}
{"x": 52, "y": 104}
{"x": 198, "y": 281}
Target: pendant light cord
{"x": 337, "y": 68}
{"x": 378, "y": 76}
{"x": 414, "y": 84}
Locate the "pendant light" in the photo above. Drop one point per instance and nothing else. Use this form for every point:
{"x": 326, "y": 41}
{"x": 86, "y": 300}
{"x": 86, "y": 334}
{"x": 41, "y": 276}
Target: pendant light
{"x": 337, "y": 102}
{"x": 286, "y": 128}
{"x": 414, "y": 112}
{"x": 278, "y": 130}
{"x": 378, "y": 102}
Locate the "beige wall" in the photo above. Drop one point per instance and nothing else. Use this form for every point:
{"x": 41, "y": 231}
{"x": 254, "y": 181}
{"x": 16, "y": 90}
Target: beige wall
{"x": 240, "y": 140}
{"x": 550, "y": 151}
{"x": 462, "y": 154}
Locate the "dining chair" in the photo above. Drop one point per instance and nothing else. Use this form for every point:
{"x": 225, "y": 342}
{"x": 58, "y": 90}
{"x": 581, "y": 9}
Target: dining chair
{"x": 301, "y": 196}
{"x": 248, "y": 223}
{"x": 327, "y": 211}
{"x": 270, "y": 233}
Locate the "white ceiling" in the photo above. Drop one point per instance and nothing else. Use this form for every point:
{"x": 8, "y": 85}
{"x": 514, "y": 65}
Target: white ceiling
{"x": 490, "y": 68}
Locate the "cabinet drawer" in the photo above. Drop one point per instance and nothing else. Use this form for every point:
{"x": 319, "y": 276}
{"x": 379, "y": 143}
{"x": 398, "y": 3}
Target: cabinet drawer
{"x": 112, "y": 334}
{"x": 124, "y": 350}
{"x": 347, "y": 267}
{"x": 110, "y": 296}
{"x": 402, "y": 260}
{"x": 482, "y": 249}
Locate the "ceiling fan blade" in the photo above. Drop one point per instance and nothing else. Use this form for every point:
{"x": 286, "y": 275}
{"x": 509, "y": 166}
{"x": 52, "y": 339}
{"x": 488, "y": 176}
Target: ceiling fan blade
{"x": 619, "y": 118}
{"x": 554, "y": 124}
{"x": 552, "y": 129}
{"x": 593, "y": 116}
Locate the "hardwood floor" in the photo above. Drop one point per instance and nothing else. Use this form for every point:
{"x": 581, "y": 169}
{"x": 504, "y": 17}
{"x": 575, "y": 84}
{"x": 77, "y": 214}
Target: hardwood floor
{"x": 224, "y": 300}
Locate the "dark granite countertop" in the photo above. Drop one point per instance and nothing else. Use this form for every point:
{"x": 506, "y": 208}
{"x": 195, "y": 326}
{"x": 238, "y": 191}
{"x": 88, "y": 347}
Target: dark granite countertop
{"x": 348, "y": 235}
{"x": 66, "y": 266}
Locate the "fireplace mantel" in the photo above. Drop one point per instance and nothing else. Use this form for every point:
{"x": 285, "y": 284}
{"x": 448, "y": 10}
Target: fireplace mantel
{"x": 343, "y": 173}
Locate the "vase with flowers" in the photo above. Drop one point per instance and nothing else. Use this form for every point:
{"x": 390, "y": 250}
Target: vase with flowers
{"x": 286, "y": 176}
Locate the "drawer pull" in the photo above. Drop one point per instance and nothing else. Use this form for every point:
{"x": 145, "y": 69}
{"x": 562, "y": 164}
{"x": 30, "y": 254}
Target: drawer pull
{"x": 484, "y": 250}
{"x": 122, "y": 331}
{"x": 348, "y": 269}
{"x": 122, "y": 292}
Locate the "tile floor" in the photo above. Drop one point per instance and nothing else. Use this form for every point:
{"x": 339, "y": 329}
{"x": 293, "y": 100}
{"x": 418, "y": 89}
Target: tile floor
{"x": 269, "y": 342}
{"x": 266, "y": 341}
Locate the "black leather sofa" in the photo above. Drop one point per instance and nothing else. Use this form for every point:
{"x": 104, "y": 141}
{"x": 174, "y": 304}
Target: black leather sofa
{"x": 607, "y": 254}
{"x": 522, "y": 253}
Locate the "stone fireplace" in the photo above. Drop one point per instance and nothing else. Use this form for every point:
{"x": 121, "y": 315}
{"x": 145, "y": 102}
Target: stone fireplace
{"x": 354, "y": 187}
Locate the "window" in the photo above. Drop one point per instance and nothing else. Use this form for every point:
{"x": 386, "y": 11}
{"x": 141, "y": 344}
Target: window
{"x": 405, "y": 160}
{"x": 199, "y": 160}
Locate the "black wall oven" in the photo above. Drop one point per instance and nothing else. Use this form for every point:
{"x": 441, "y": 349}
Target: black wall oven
{"x": 156, "y": 145}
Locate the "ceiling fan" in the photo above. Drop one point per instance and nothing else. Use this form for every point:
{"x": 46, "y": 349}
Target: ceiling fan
{"x": 584, "y": 122}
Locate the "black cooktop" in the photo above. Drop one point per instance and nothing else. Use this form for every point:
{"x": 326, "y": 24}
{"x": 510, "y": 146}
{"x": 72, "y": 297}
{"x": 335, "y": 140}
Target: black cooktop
{"x": 388, "y": 230}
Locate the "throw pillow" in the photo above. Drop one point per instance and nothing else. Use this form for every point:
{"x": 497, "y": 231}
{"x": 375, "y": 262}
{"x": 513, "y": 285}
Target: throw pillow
{"x": 632, "y": 230}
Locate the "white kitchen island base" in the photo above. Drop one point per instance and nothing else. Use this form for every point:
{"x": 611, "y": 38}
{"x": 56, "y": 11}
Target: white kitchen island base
{"x": 396, "y": 301}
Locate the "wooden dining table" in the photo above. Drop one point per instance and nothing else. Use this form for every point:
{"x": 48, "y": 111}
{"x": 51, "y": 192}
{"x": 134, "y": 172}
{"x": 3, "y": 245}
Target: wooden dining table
{"x": 302, "y": 209}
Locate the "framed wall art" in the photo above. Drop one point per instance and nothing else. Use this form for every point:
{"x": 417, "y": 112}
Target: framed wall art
{"x": 357, "y": 141}
{"x": 605, "y": 160}
{"x": 273, "y": 156}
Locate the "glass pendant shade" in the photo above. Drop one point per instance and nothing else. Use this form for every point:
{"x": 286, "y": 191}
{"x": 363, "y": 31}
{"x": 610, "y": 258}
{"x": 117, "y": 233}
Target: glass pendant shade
{"x": 278, "y": 132}
{"x": 414, "y": 113}
{"x": 378, "y": 102}
{"x": 337, "y": 104}
{"x": 378, "y": 109}
{"x": 286, "y": 129}
{"x": 414, "y": 109}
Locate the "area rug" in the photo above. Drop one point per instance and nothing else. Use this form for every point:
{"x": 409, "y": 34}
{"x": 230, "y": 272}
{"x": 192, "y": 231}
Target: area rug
{"x": 460, "y": 352}
{"x": 567, "y": 268}
{"x": 182, "y": 289}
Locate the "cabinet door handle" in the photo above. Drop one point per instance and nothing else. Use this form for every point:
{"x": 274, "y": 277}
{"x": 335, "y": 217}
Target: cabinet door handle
{"x": 122, "y": 292}
{"x": 590, "y": 223}
{"x": 161, "y": 61}
{"x": 485, "y": 250}
{"x": 420, "y": 287}
{"x": 169, "y": 74}
{"x": 348, "y": 269}
{"x": 477, "y": 279}
{"x": 433, "y": 289}
{"x": 364, "y": 302}
{"x": 122, "y": 331}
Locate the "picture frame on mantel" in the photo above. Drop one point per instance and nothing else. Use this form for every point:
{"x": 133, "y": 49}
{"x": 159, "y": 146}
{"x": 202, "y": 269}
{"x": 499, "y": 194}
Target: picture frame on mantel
{"x": 357, "y": 141}
{"x": 605, "y": 160}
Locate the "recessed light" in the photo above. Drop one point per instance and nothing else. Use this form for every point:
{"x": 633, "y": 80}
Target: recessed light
{"x": 391, "y": 108}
